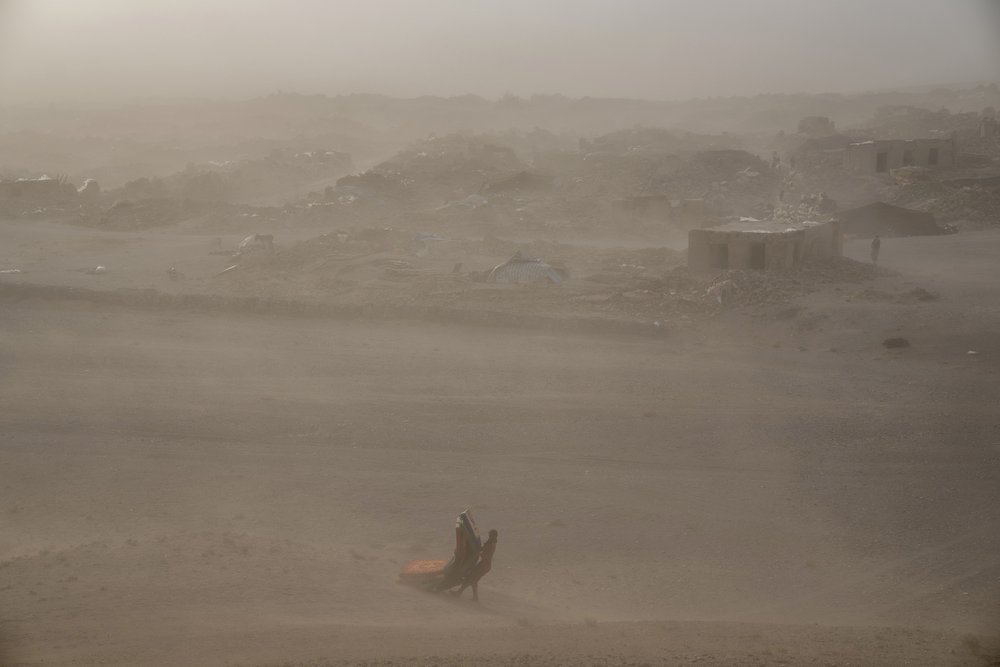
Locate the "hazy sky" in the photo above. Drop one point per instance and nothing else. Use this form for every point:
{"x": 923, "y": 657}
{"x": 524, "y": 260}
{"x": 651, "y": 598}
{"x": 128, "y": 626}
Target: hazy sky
{"x": 114, "y": 50}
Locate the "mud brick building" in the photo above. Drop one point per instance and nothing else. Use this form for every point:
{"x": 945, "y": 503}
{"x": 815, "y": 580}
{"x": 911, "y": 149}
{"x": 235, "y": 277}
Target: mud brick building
{"x": 879, "y": 157}
{"x": 765, "y": 246}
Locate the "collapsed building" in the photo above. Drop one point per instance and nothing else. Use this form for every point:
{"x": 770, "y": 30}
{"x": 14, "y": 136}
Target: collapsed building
{"x": 881, "y": 156}
{"x": 887, "y": 220}
{"x": 767, "y": 246}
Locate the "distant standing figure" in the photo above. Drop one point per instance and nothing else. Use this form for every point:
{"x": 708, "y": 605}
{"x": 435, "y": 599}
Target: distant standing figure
{"x": 484, "y": 565}
{"x": 876, "y": 245}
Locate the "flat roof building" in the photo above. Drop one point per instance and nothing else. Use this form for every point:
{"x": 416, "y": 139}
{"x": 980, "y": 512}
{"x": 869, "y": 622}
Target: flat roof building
{"x": 762, "y": 245}
{"x": 879, "y": 157}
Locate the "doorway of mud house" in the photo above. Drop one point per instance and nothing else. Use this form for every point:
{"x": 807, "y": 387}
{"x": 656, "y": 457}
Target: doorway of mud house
{"x": 757, "y": 256}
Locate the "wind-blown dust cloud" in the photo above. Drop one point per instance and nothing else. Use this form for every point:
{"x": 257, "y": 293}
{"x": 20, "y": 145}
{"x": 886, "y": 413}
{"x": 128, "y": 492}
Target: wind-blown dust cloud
{"x": 286, "y": 286}
{"x": 118, "y": 50}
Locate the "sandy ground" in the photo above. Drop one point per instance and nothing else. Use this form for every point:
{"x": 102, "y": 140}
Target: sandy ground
{"x": 771, "y": 488}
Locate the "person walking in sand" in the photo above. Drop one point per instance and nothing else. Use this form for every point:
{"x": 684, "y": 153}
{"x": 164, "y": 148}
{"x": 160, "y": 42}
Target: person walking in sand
{"x": 484, "y": 565}
{"x": 876, "y": 246}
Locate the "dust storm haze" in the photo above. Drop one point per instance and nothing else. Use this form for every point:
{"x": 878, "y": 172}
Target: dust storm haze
{"x": 99, "y": 52}
{"x": 695, "y": 303}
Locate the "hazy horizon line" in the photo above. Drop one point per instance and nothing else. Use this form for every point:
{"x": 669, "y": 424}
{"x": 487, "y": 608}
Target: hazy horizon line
{"x": 139, "y": 100}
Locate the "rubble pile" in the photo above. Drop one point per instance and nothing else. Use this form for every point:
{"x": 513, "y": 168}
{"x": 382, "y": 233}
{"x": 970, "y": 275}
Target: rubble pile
{"x": 974, "y": 203}
{"x": 388, "y": 268}
{"x": 443, "y": 169}
{"x": 675, "y": 295}
{"x": 810, "y": 207}
{"x": 750, "y": 288}
{"x": 847, "y": 189}
{"x": 241, "y": 180}
{"x": 728, "y": 180}
{"x": 755, "y": 288}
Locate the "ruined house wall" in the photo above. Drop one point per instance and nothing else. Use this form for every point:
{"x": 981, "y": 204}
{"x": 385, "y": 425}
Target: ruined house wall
{"x": 863, "y": 157}
{"x": 860, "y": 157}
{"x": 782, "y": 250}
{"x": 739, "y": 249}
{"x": 779, "y": 249}
{"x": 699, "y": 258}
{"x": 921, "y": 150}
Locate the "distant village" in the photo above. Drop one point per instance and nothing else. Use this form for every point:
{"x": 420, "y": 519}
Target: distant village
{"x": 446, "y": 206}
